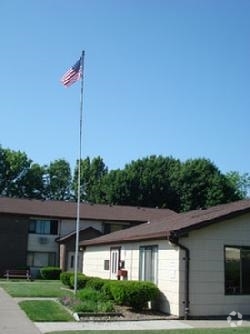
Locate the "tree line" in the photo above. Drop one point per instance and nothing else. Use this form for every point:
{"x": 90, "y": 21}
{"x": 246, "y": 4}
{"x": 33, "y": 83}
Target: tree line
{"x": 153, "y": 181}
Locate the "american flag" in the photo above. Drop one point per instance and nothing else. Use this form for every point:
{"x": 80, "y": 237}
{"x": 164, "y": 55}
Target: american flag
{"x": 73, "y": 74}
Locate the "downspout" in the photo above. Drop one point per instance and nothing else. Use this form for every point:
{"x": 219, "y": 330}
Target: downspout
{"x": 175, "y": 240}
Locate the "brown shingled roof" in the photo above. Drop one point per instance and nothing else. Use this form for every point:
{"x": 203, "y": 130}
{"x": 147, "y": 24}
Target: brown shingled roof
{"x": 62, "y": 209}
{"x": 175, "y": 225}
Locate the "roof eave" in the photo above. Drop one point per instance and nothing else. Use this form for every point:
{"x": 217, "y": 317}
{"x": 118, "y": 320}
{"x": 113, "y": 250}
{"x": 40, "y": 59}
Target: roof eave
{"x": 154, "y": 236}
{"x": 204, "y": 223}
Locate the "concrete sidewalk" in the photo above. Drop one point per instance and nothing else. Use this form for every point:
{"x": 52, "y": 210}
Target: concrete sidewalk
{"x": 114, "y": 326}
{"x": 12, "y": 319}
{"x": 135, "y": 325}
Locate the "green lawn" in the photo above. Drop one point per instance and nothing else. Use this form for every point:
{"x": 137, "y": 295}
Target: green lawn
{"x": 45, "y": 310}
{"x": 39, "y": 288}
{"x": 170, "y": 331}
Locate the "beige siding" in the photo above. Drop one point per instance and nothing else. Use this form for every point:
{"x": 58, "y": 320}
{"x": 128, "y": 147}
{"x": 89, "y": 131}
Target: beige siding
{"x": 93, "y": 261}
{"x": 207, "y": 267}
{"x": 206, "y": 246}
{"x": 168, "y": 268}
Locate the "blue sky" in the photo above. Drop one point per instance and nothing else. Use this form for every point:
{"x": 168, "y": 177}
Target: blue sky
{"x": 169, "y": 77}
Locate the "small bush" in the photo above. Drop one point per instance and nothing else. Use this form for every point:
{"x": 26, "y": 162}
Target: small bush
{"x": 65, "y": 277}
{"x": 107, "y": 288}
{"x": 86, "y": 306}
{"x": 91, "y": 306}
{"x": 90, "y": 294}
{"x": 105, "y": 306}
{"x": 95, "y": 283}
{"x": 139, "y": 293}
{"x": 133, "y": 293}
{"x": 81, "y": 281}
{"x": 118, "y": 291}
{"x": 93, "y": 301}
{"x": 50, "y": 273}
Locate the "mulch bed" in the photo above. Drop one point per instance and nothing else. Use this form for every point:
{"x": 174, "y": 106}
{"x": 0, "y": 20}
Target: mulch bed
{"x": 123, "y": 313}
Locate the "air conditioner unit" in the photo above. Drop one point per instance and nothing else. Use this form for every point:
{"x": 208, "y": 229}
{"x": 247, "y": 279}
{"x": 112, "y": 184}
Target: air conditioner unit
{"x": 43, "y": 240}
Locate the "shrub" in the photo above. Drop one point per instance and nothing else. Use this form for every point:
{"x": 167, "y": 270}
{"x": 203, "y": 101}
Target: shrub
{"x": 95, "y": 283}
{"x": 105, "y": 306}
{"x": 93, "y": 301}
{"x": 133, "y": 293}
{"x": 86, "y": 306}
{"x": 65, "y": 277}
{"x": 107, "y": 287}
{"x": 118, "y": 291}
{"x": 89, "y": 294}
{"x": 91, "y": 306}
{"x": 50, "y": 273}
{"x": 81, "y": 281}
{"x": 139, "y": 293}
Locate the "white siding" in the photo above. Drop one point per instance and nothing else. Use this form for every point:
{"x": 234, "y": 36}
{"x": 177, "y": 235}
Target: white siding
{"x": 206, "y": 246}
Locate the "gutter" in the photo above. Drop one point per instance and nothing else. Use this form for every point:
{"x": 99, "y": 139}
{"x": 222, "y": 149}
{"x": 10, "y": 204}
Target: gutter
{"x": 175, "y": 240}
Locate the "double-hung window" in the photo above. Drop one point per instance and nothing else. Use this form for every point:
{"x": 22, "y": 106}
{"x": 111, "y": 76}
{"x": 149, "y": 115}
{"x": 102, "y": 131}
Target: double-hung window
{"x": 43, "y": 226}
{"x": 41, "y": 259}
{"x": 148, "y": 263}
{"x": 237, "y": 270}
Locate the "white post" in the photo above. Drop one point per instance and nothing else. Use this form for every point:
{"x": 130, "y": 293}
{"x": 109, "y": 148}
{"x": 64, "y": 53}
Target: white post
{"x": 79, "y": 179}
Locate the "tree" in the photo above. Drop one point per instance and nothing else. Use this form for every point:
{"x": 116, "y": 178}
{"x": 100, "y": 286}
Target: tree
{"x": 114, "y": 188}
{"x": 202, "y": 185}
{"x": 154, "y": 181}
{"x": 57, "y": 180}
{"x": 241, "y": 183}
{"x": 32, "y": 182}
{"x": 149, "y": 182}
{"x": 13, "y": 168}
{"x": 20, "y": 177}
{"x": 92, "y": 173}
{"x": 165, "y": 182}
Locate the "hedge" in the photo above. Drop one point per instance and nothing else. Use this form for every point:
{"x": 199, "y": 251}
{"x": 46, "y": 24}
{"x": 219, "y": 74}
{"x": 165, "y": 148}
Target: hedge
{"x": 81, "y": 281}
{"x": 65, "y": 277}
{"x": 135, "y": 294}
{"x": 50, "y": 273}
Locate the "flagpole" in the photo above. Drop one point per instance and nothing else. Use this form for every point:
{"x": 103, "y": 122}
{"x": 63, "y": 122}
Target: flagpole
{"x": 79, "y": 179}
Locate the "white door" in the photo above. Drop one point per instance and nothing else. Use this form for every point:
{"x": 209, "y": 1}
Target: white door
{"x": 114, "y": 262}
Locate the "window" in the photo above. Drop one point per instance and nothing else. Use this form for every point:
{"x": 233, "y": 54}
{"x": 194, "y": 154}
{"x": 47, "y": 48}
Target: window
{"x": 114, "y": 261}
{"x": 106, "y": 264}
{"x": 41, "y": 259}
{"x": 43, "y": 226}
{"x": 109, "y": 228}
{"x": 237, "y": 270}
{"x": 148, "y": 263}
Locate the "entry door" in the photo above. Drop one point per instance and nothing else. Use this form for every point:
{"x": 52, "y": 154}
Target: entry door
{"x": 114, "y": 262}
